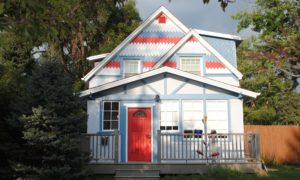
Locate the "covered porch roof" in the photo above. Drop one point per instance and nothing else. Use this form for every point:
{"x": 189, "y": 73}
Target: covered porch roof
{"x": 173, "y": 71}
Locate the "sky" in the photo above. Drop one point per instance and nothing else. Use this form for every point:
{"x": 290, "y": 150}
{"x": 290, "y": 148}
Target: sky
{"x": 195, "y": 14}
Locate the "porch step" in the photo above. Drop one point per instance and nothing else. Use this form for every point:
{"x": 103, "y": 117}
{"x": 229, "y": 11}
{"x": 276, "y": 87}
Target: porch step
{"x": 147, "y": 174}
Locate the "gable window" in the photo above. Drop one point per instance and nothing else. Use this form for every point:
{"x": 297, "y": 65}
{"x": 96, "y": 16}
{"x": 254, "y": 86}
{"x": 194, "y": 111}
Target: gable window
{"x": 110, "y": 115}
{"x": 190, "y": 64}
{"x": 169, "y": 115}
{"x": 192, "y": 115}
{"x": 132, "y": 67}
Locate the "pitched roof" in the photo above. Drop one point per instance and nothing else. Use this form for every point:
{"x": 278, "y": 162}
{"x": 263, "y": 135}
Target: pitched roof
{"x": 170, "y": 71}
{"x": 132, "y": 36}
{"x": 205, "y": 44}
{"x": 220, "y": 35}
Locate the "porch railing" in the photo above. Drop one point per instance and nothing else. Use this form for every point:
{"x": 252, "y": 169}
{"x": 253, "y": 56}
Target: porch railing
{"x": 178, "y": 147}
{"x": 205, "y": 148}
{"x": 104, "y": 147}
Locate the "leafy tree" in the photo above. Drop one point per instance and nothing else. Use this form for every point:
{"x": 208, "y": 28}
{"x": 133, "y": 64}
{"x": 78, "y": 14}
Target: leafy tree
{"x": 278, "y": 22}
{"x": 278, "y": 103}
{"x": 275, "y": 59}
{"x": 72, "y": 29}
{"x": 52, "y": 132}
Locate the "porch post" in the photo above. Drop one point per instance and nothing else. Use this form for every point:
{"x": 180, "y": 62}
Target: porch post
{"x": 116, "y": 150}
{"x": 158, "y": 146}
{"x": 257, "y": 146}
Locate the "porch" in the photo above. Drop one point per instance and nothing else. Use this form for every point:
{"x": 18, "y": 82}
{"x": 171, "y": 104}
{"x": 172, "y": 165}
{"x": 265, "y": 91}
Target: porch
{"x": 178, "y": 153}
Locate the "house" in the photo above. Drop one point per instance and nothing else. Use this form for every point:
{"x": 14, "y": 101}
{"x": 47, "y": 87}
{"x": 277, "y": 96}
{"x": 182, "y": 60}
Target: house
{"x": 148, "y": 99}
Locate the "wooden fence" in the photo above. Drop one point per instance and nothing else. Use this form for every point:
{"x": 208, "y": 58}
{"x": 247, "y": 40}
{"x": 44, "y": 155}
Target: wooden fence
{"x": 280, "y": 144}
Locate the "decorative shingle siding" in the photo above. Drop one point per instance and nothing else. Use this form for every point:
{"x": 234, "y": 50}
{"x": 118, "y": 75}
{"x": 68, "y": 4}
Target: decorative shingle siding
{"x": 225, "y": 47}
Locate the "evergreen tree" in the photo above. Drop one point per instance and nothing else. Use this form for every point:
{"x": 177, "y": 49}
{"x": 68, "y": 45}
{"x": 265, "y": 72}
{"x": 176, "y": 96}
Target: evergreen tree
{"x": 53, "y": 130}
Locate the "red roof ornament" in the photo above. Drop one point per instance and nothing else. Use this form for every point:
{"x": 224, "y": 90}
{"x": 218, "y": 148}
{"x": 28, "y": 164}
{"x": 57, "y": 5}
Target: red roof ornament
{"x": 162, "y": 19}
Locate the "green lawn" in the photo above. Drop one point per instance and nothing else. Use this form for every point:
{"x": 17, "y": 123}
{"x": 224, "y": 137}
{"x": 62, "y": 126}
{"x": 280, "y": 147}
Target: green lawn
{"x": 275, "y": 173}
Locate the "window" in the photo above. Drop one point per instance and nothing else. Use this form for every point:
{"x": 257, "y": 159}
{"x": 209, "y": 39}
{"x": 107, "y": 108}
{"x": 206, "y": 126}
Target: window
{"x": 190, "y": 64}
{"x": 217, "y": 115}
{"x": 169, "y": 118}
{"x": 132, "y": 67}
{"x": 110, "y": 115}
{"x": 192, "y": 116}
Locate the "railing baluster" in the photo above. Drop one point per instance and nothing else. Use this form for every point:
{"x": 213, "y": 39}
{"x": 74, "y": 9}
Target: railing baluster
{"x": 241, "y": 148}
{"x": 178, "y": 145}
{"x": 96, "y": 148}
{"x": 225, "y": 149}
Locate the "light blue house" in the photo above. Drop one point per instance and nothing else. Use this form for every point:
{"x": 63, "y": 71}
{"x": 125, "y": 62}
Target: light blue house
{"x": 164, "y": 79}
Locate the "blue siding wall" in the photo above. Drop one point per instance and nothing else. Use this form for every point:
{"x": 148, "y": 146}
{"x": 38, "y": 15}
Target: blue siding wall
{"x": 121, "y": 94}
{"x": 225, "y": 47}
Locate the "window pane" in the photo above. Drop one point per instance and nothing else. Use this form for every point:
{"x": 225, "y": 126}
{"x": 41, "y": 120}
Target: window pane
{"x": 115, "y": 105}
{"x": 107, "y": 105}
{"x": 169, "y": 115}
{"x": 106, "y": 125}
{"x": 115, "y": 124}
{"x": 131, "y": 66}
{"x": 190, "y": 64}
{"x": 110, "y": 115}
{"x": 107, "y": 115}
{"x": 115, "y": 116}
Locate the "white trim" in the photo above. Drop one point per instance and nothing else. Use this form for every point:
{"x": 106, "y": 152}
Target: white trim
{"x": 133, "y": 35}
{"x": 216, "y": 34}
{"x": 177, "y": 72}
{"x": 97, "y": 57}
{"x": 206, "y": 45}
{"x": 138, "y": 105}
{"x": 134, "y": 105}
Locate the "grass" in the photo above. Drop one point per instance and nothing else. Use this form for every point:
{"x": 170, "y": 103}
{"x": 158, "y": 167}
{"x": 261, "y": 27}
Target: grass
{"x": 277, "y": 172}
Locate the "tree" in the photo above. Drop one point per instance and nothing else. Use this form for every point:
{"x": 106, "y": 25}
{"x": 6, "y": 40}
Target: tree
{"x": 72, "y": 29}
{"x": 278, "y": 22}
{"x": 275, "y": 59}
{"x": 64, "y": 30}
{"x": 52, "y": 131}
{"x": 12, "y": 103}
{"x": 278, "y": 102}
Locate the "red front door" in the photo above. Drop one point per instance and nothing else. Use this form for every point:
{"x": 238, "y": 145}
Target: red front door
{"x": 139, "y": 134}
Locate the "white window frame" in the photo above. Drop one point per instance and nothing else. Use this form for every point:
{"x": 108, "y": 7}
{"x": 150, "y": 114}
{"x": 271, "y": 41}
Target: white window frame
{"x": 192, "y": 57}
{"x": 103, "y": 111}
{"x": 139, "y": 70}
{"x": 198, "y": 120}
{"x": 177, "y": 114}
{"x": 220, "y": 119}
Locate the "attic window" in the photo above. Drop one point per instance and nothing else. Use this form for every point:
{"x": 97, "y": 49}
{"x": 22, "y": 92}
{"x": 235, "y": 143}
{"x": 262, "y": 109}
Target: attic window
{"x": 132, "y": 67}
{"x": 191, "y": 64}
{"x": 162, "y": 19}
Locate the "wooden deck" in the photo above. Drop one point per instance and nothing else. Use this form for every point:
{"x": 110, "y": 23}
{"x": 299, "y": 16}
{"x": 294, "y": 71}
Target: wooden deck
{"x": 252, "y": 167}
